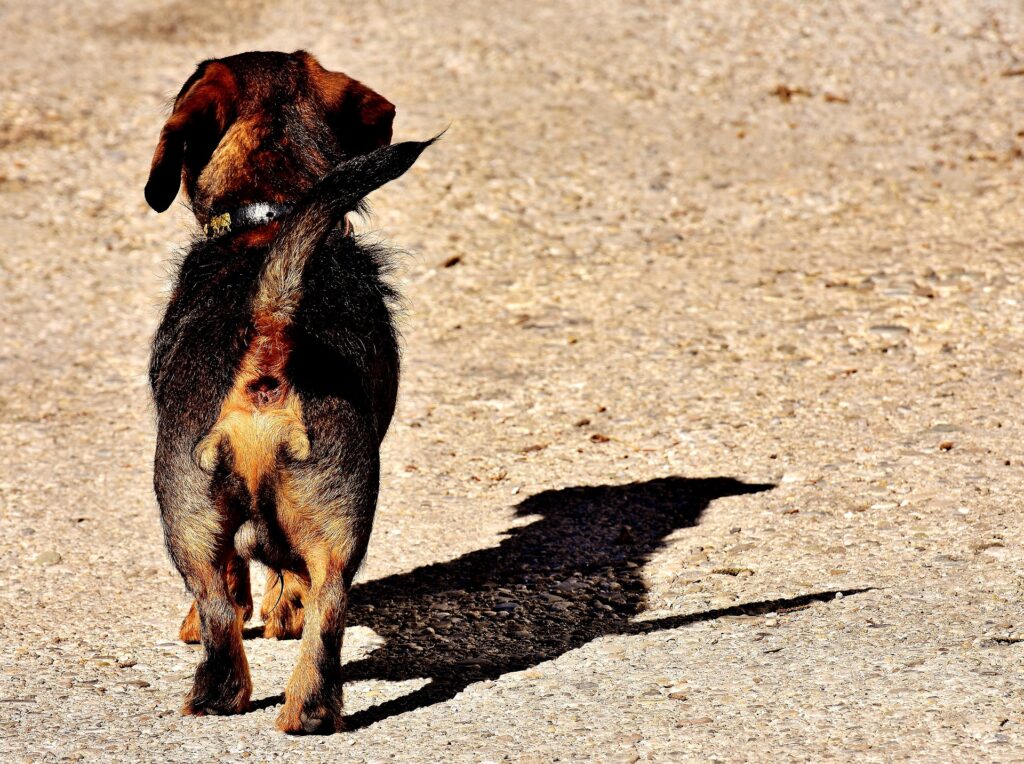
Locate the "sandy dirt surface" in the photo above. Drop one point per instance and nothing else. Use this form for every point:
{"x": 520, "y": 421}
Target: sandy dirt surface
{"x": 709, "y": 443}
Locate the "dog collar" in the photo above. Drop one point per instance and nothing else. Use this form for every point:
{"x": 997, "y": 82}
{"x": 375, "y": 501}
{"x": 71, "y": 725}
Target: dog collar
{"x": 246, "y": 216}
{"x": 254, "y": 215}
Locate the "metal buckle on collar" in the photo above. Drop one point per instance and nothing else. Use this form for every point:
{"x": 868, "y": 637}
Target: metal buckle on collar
{"x": 218, "y": 225}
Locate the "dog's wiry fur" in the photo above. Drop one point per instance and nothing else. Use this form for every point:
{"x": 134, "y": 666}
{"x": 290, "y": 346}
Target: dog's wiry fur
{"x": 275, "y": 369}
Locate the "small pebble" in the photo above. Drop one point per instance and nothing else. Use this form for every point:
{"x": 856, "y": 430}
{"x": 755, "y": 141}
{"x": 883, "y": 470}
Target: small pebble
{"x": 48, "y": 557}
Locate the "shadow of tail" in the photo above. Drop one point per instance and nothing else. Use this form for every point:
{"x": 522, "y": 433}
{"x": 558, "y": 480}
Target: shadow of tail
{"x": 763, "y": 607}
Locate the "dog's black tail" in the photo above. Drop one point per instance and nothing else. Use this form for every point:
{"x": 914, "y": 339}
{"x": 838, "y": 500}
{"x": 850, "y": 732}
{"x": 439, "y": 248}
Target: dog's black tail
{"x": 280, "y": 285}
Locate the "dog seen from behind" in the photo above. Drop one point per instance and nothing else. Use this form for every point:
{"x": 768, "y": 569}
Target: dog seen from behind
{"x": 275, "y": 368}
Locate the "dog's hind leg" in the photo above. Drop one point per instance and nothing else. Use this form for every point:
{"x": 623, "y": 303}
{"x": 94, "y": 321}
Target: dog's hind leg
{"x": 313, "y": 699}
{"x": 237, "y": 579}
{"x": 198, "y": 533}
{"x": 222, "y": 684}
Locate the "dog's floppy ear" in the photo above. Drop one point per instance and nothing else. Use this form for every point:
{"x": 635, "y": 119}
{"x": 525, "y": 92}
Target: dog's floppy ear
{"x": 360, "y": 118}
{"x": 203, "y": 110}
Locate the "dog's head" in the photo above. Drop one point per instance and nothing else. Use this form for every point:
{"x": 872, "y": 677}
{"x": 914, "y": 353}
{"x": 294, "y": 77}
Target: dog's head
{"x": 262, "y": 127}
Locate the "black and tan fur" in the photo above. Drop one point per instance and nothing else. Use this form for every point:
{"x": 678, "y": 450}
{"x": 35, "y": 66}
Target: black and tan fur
{"x": 275, "y": 369}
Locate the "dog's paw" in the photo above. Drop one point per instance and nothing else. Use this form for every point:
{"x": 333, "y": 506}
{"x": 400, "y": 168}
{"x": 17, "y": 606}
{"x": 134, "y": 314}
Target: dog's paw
{"x": 283, "y": 625}
{"x": 216, "y": 702}
{"x": 282, "y": 612}
{"x": 220, "y": 688}
{"x": 296, "y": 720}
{"x": 189, "y": 633}
{"x": 211, "y": 707}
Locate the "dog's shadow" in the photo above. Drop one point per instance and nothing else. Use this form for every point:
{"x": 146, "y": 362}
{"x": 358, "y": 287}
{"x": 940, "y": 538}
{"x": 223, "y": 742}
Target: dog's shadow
{"x": 568, "y": 577}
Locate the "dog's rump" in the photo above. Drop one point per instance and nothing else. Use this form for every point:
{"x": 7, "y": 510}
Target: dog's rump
{"x": 260, "y": 421}
{"x": 260, "y": 415}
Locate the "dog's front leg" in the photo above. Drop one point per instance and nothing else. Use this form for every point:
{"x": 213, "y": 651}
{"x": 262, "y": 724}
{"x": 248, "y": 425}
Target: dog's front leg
{"x": 282, "y": 609}
{"x": 313, "y": 699}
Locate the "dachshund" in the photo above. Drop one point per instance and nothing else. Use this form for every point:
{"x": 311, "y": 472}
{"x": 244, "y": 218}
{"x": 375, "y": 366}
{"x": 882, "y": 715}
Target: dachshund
{"x": 275, "y": 368}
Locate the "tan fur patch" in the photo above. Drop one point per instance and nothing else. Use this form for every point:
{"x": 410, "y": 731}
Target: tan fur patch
{"x": 260, "y": 414}
{"x": 229, "y": 167}
{"x": 190, "y": 631}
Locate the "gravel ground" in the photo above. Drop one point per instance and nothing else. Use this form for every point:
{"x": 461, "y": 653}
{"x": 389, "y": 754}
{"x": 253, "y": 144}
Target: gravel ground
{"x": 707, "y": 448}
